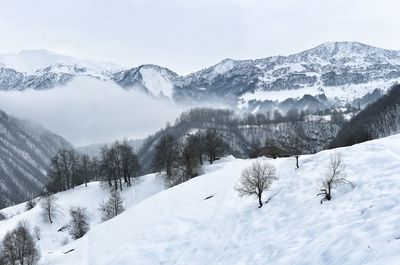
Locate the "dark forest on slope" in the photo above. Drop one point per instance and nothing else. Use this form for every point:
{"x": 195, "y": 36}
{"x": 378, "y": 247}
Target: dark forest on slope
{"x": 378, "y": 119}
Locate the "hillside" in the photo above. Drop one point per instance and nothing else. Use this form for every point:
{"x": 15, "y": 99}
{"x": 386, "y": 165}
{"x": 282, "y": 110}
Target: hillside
{"x": 180, "y": 226}
{"x": 25, "y": 151}
{"x": 88, "y": 197}
{"x": 246, "y": 134}
{"x": 378, "y": 119}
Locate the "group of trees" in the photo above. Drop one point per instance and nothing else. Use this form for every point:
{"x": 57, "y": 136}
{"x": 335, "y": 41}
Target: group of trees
{"x": 118, "y": 163}
{"x": 19, "y": 245}
{"x": 181, "y": 158}
{"x": 69, "y": 169}
{"x": 229, "y": 118}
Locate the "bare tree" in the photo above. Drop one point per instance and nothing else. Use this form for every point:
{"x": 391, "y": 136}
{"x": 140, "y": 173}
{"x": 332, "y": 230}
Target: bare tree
{"x": 335, "y": 176}
{"x": 296, "y": 143}
{"x": 79, "y": 222}
{"x": 255, "y": 179}
{"x": 19, "y": 247}
{"x": 129, "y": 162}
{"x": 113, "y": 206}
{"x": 84, "y": 169}
{"x": 36, "y": 232}
{"x": 30, "y": 204}
{"x": 48, "y": 206}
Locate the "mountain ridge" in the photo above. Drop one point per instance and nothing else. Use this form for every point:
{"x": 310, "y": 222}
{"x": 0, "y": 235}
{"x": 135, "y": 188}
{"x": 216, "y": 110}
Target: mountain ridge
{"x": 343, "y": 72}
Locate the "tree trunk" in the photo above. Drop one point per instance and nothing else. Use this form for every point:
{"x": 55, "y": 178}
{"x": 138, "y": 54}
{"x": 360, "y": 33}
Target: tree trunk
{"x": 49, "y": 213}
{"x": 260, "y": 201}
{"x": 328, "y": 195}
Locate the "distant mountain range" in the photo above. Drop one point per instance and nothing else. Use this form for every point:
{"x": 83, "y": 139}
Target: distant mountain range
{"x": 25, "y": 152}
{"x": 328, "y": 75}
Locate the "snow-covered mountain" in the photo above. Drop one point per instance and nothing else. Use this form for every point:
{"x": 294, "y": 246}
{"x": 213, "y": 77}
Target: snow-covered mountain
{"x": 42, "y": 61}
{"x": 328, "y": 75}
{"x": 152, "y": 79}
{"x": 204, "y": 221}
{"x": 42, "y": 69}
{"x": 25, "y": 152}
{"x": 345, "y": 71}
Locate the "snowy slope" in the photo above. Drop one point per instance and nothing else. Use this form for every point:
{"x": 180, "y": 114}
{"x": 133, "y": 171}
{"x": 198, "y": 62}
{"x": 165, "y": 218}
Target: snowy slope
{"x": 88, "y": 197}
{"x": 178, "y": 226}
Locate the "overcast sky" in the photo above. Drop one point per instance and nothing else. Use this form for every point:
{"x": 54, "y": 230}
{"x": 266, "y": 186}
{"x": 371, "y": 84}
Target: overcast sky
{"x": 182, "y": 35}
{"x": 186, "y": 36}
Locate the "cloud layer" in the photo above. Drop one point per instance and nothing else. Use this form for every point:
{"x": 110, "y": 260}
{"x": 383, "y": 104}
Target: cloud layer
{"x": 87, "y": 111}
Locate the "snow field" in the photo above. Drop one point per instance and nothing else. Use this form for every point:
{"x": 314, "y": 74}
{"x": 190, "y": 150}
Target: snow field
{"x": 179, "y": 226}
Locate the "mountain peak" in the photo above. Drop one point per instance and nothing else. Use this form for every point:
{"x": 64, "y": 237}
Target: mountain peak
{"x": 348, "y": 49}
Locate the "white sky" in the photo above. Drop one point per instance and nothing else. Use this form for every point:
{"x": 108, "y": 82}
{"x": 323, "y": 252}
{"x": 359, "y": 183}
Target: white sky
{"x": 186, "y": 36}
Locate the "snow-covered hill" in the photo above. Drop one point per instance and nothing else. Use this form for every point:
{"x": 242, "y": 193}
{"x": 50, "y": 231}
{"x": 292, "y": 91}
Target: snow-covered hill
{"x": 25, "y": 151}
{"x": 203, "y": 221}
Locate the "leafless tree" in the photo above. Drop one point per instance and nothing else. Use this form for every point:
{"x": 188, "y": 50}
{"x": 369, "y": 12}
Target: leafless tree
{"x": 36, "y": 232}
{"x": 30, "y": 204}
{"x": 296, "y": 143}
{"x": 255, "y": 179}
{"x": 79, "y": 222}
{"x": 84, "y": 169}
{"x": 48, "y": 205}
{"x": 113, "y": 206}
{"x": 19, "y": 247}
{"x": 335, "y": 176}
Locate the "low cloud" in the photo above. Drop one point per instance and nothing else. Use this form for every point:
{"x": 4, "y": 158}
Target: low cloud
{"x": 88, "y": 111}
